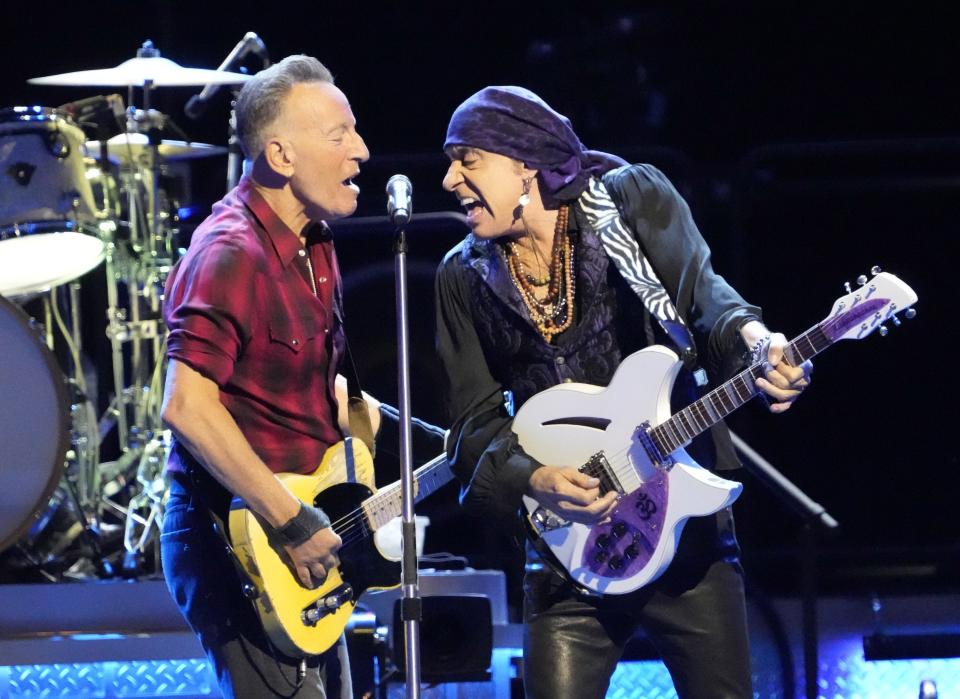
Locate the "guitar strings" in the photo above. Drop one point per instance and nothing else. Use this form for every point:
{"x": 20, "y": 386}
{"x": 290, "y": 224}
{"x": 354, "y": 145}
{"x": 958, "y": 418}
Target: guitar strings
{"x": 346, "y": 526}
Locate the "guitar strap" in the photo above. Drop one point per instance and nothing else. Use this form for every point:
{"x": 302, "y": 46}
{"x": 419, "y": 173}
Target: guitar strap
{"x": 622, "y": 248}
{"x": 358, "y": 413}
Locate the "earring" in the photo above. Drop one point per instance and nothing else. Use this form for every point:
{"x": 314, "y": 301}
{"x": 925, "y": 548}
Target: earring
{"x": 525, "y": 197}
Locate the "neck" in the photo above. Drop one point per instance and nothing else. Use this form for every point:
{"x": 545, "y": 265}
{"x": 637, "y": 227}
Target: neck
{"x": 277, "y": 192}
{"x": 539, "y": 230}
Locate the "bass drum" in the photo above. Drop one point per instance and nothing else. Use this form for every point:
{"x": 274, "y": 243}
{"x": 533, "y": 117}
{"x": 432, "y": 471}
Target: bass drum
{"x": 34, "y": 424}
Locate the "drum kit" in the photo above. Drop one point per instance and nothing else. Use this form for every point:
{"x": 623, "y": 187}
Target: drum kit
{"x": 82, "y": 194}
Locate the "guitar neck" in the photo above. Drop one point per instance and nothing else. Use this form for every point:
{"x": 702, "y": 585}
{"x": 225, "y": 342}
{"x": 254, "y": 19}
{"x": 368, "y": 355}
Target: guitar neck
{"x": 387, "y": 502}
{"x": 707, "y": 411}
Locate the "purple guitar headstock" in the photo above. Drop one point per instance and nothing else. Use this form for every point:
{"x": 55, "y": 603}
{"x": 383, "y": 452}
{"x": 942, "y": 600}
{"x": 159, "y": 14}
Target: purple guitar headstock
{"x": 865, "y": 309}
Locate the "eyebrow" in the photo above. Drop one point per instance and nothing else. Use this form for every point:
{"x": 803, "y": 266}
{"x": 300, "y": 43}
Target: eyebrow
{"x": 459, "y": 152}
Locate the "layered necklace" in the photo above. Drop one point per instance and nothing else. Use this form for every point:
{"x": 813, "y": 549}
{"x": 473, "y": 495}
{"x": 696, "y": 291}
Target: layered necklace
{"x": 554, "y": 312}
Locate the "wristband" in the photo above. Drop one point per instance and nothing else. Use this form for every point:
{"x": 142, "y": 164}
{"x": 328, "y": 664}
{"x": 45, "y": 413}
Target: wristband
{"x": 307, "y": 522}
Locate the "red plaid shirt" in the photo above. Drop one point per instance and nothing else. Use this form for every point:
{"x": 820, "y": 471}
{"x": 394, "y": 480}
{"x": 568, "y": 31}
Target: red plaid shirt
{"x": 241, "y": 311}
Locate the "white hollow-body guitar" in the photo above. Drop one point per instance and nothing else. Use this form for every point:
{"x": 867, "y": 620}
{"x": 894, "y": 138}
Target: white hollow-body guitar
{"x": 625, "y": 436}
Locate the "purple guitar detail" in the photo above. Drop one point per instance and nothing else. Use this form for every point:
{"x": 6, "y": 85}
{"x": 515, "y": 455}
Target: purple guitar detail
{"x": 625, "y": 436}
{"x": 624, "y": 546}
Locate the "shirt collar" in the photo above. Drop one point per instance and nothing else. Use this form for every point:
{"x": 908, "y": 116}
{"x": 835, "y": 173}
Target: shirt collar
{"x": 285, "y": 242}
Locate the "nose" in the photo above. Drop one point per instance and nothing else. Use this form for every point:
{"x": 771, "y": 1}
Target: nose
{"x": 361, "y": 153}
{"x": 453, "y": 176}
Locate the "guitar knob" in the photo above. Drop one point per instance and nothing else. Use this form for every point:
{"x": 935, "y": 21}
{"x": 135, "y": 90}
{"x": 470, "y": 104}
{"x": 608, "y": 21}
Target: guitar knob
{"x": 862, "y": 279}
{"x": 875, "y": 270}
{"x": 910, "y": 313}
{"x": 615, "y": 563}
{"x": 619, "y": 529}
{"x": 603, "y": 541}
{"x": 883, "y": 330}
{"x": 631, "y": 552}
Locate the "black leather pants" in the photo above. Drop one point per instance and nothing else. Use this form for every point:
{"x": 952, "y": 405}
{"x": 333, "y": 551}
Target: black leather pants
{"x": 694, "y": 614}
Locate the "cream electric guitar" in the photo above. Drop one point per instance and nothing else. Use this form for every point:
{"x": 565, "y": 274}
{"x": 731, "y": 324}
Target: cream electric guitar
{"x": 625, "y": 436}
{"x": 300, "y": 621}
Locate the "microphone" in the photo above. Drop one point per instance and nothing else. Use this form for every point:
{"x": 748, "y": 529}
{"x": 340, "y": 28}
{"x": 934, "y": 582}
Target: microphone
{"x": 250, "y": 43}
{"x": 399, "y": 200}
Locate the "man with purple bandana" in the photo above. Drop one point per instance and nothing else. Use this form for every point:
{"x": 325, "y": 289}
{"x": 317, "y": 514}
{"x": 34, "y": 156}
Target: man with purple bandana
{"x": 256, "y": 336}
{"x": 568, "y": 250}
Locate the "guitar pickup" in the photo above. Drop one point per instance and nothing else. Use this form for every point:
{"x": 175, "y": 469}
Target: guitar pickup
{"x": 598, "y": 467}
{"x": 327, "y": 604}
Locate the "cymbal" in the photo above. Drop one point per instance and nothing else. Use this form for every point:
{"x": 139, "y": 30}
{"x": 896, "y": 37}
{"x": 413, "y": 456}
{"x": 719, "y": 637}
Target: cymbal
{"x": 126, "y": 147}
{"x": 137, "y": 71}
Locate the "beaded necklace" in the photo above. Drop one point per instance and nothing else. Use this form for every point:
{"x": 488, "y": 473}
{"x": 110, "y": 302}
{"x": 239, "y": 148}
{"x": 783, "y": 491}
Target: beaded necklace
{"x": 554, "y": 313}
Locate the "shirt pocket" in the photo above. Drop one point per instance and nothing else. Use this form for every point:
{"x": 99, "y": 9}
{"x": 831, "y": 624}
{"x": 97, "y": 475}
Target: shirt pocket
{"x": 296, "y": 333}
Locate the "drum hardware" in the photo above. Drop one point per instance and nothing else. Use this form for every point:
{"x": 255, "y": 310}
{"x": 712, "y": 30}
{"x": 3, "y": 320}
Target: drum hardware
{"x": 67, "y": 201}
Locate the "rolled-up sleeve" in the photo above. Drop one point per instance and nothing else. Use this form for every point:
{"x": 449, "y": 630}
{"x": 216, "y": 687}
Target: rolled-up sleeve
{"x": 209, "y": 308}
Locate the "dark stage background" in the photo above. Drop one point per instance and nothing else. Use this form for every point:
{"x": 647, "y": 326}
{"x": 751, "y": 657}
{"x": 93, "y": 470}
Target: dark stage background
{"x": 811, "y": 144}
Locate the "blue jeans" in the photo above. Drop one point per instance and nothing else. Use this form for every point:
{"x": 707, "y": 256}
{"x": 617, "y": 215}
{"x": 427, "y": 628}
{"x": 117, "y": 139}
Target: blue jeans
{"x": 204, "y": 583}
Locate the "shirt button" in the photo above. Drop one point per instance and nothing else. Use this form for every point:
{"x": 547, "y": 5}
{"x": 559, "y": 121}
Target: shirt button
{"x": 302, "y": 253}
{"x": 560, "y": 360}
{"x": 294, "y": 341}
{"x": 322, "y": 280}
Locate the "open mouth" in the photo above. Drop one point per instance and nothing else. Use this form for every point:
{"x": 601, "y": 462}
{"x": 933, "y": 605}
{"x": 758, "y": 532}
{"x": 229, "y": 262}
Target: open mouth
{"x": 470, "y": 203}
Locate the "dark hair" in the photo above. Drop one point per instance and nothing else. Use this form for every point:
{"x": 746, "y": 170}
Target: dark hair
{"x": 259, "y": 102}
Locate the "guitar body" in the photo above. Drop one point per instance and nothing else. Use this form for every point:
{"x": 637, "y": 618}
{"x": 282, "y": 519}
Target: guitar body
{"x": 341, "y": 483}
{"x": 302, "y": 622}
{"x": 573, "y": 424}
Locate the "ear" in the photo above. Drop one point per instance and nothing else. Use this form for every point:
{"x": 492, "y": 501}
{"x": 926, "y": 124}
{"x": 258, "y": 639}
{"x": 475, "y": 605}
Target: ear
{"x": 278, "y": 154}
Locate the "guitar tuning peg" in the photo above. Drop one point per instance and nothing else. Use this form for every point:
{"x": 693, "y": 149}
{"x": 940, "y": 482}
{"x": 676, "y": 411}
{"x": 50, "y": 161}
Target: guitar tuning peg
{"x": 846, "y": 285}
{"x": 875, "y": 270}
{"x": 883, "y": 330}
{"x": 862, "y": 279}
{"x": 910, "y": 313}
{"x": 896, "y": 321}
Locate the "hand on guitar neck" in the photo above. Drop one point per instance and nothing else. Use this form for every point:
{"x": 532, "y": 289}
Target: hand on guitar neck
{"x": 783, "y": 383}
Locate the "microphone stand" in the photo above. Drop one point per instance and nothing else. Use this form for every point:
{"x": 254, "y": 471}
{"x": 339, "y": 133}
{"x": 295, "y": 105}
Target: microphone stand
{"x": 813, "y": 514}
{"x": 410, "y": 609}
{"x": 234, "y": 154}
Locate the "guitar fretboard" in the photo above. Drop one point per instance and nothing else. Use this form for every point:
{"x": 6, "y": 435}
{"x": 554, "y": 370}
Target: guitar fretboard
{"x": 705, "y": 412}
{"x": 387, "y": 502}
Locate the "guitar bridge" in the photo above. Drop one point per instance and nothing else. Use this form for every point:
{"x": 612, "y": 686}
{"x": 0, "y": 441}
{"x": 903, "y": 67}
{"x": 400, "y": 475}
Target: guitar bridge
{"x": 327, "y": 604}
{"x": 642, "y": 433}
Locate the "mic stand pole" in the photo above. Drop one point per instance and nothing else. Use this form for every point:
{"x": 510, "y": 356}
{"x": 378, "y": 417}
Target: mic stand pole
{"x": 234, "y": 155}
{"x": 410, "y": 610}
{"x": 812, "y": 514}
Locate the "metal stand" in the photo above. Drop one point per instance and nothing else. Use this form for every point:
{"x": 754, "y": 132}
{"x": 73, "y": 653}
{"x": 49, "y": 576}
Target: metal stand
{"x": 814, "y": 516}
{"x": 410, "y": 609}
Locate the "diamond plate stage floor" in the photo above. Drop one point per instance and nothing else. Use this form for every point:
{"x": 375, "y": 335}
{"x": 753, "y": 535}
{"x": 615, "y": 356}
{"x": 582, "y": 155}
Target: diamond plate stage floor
{"x": 127, "y": 639}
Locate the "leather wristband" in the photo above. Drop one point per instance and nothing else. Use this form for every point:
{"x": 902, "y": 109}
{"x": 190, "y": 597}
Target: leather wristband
{"x": 307, "y": 522}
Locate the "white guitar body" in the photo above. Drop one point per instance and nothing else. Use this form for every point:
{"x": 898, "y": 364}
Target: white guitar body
{"x": 625, "y": 436}
{"x": 569, "y": 424}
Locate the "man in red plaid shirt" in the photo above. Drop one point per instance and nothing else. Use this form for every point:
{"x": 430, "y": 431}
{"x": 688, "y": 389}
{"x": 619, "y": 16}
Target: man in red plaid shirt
{"x": 254, "y": 312}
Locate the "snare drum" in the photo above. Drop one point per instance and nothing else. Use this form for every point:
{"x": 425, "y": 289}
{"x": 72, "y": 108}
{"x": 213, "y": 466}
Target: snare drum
{"x": 34, "y": 424}
{"x": 47, "y": 207}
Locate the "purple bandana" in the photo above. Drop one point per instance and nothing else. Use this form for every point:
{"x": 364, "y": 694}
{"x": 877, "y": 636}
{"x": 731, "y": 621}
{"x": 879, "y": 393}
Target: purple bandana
{"x": 516, "y": 123}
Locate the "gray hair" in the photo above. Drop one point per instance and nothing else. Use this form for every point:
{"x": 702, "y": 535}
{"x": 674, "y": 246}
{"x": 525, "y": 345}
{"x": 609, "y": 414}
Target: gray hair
{"x": 259, "y": 102}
